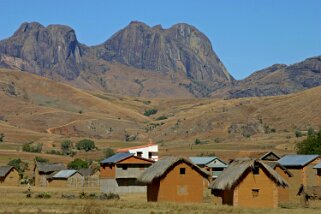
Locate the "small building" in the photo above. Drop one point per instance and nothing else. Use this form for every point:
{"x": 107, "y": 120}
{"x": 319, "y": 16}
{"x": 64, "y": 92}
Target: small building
{"x": 9, "y": 176}
{"x": 43, "y": 171}
{"x": 66, "y": 178}
{"x": 91, "y": 177}
{"x": 149, "y": 151}
{"x": 119, "y": 173}
{"x": 317, "y": 167}
{"x": 248, "y": 183}
{"x": 212, "y": 164}
{"x": 175, "y": 179}
{"x": 270, "y": 156}
{"x": 301, "y": 167}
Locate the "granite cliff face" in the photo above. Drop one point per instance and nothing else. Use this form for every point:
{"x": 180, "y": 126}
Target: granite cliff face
{"x": 46, "y": 51}
{"x": 181, "y": 48}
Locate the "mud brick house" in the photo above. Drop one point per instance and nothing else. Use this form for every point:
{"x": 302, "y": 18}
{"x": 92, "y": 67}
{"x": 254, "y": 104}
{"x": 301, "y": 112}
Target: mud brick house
{"x": 43, "y": 171}
{"x": 212, "y": 164}
{"x": 9, "y": 176}
{"x": 119, "y": 173}
{"x": 301, "y": 167}
{"x": 91, "y": 177}
{"x": 149, "y": 151}
{"x": 66, "y": 178}
{"x": 175, "y": 179}
{"x": 248, "y": 183}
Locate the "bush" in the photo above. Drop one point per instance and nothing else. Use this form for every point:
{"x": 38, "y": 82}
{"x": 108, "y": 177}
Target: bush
{"x": 86, "y": 145}
{"x": 43, "y": 195}
{"x": 66, "y": 148}
{"x": 41, "y": 160}
{"x": 149, "y": 112}
{"x": 298, "y": 133}
{"x": 29, "y": 147}
{"x": 105, "y": 196}
{"x": 1, "y": 137}
{"x": 20, "y": 165}
{"x": 161, "y": 118}
{"x": 311, "y": 132}
{"x": 197, "y": 141}
{"x": 53, "y": 152}
{"x": 109, "y": 152}
{"x": 78, "y": 164}
{"x": 311, "y": 145}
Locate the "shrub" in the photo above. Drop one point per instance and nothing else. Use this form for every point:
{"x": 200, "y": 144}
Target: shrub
{"x": 109, "y": 152}
{"x": 310, "y": 145}
{"x": 161, "y": 118}
{"x": 311, "y": 132}
{"x": 43, "y": 195}
{"x": 42, "y": 160}
{"x": 1, "y": 137}
{"x": 20, "y": 165}
{"x": 29, "y": 147}
{"x": 78, "y": 164}
{"x": 86, "y": 145}
{"x": 197, "y": 141}
{"x": 66, "y": 147}
{"x": 298, "y": 133}
{"x": 149, "y": 112}
{"x": 105, "y": 196}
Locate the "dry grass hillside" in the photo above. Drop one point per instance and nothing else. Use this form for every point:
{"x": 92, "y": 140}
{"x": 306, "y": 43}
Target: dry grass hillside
{"x": 41, "y": 110}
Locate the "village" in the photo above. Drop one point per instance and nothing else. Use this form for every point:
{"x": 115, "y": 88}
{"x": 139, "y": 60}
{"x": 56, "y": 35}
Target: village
{"x": 267, "y": 181}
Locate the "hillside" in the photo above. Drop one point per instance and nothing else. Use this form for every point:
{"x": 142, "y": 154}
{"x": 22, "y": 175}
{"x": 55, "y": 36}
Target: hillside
{"x": 41, "y": 110}
{"x": 276, "y": 80}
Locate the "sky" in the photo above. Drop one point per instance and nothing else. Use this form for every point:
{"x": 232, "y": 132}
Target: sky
{"x": 247, "y": 35}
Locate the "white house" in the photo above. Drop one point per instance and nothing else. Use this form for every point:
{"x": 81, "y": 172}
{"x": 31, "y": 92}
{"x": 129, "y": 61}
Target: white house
{"x": 149, "y": 151}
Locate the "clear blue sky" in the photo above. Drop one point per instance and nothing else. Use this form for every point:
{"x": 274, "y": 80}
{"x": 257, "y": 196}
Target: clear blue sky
{"x": 247, "y": 35}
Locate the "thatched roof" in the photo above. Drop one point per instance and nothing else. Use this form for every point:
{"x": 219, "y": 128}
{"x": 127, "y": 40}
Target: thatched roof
{"x": 163, "y": 166}
{"x": 274, "y": 164}
{"x": 233, "y": 174}
{"x": 4, "y": 170}
{"x": 49, "y": 167}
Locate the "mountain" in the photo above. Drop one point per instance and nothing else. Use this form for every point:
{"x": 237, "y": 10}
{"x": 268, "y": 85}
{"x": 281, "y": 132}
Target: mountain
{"x": 51, "y": 51}
{"x": 181, "y": 52}
{"x": 278, "y": 79}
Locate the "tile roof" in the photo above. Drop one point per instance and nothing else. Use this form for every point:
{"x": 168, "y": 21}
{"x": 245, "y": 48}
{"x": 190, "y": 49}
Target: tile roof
{"x": 65, "y": 173}
{"x": 297, "y": 160}
{"x": 117, "y": 157}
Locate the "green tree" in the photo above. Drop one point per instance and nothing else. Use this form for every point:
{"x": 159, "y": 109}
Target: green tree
{"x": 20, "y": 165}
{"x": 310, "y": 145}
{"x": 78, "y": 164}
{"x": 311, "y": 131}
{"x": 109, "y": 152}
{"x": 66, "y": 147}
{"x": 86, "y": 145}
{"x": 149, "y": 112}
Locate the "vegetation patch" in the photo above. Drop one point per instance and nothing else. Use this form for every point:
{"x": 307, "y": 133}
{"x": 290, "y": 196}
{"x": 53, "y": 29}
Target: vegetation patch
{"x": 149, "y": 112}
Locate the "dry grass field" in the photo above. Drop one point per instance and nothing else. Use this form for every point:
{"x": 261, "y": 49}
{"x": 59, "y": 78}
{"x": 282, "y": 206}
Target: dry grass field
{"x": 13, "y": 200}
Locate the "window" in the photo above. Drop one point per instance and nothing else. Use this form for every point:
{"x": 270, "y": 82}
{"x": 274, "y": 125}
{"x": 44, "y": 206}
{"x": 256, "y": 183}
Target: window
{"x": 319, "y": 172}
{"x": 139, "y": 154}
{"x": 255, "y": 193}
{"x": 125, "y": 167}
{"x": 182, "y": 171}
{"x": 150, "y": 155}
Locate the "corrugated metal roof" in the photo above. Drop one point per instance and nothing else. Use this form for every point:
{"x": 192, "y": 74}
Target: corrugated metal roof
{"x": 201, "y": 160}
{"x": 217, "y": 163}
{"x": 65, "y": 173}
{"x": 318, "y": 166}
{"x": 297, "y": 160}
{"x": 117, "y": 157}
